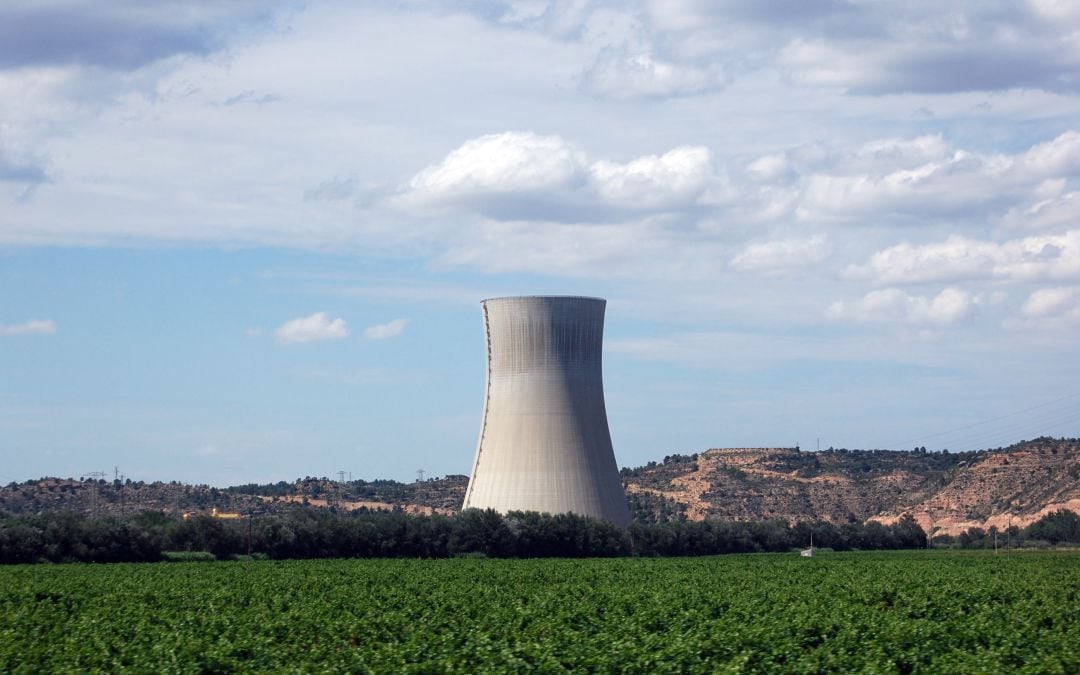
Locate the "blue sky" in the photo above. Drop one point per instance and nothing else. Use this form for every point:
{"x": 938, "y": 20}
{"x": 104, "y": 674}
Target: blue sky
{"x": 248, "y": 241}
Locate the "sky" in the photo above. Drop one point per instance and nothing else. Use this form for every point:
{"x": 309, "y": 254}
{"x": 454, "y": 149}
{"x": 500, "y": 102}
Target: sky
{"x": 247, "y": 241}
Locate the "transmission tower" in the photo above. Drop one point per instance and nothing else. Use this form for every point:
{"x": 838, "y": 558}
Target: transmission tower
{"x": 95, "y": 476}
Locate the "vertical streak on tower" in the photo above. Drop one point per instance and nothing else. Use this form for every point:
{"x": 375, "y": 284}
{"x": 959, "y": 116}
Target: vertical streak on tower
{"x": 544, "y": 439}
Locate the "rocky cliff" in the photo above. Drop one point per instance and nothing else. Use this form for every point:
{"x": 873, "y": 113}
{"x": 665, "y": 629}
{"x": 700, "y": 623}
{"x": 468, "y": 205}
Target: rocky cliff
{"x": 949, "y": 492}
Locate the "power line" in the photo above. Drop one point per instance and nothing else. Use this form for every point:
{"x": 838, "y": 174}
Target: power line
{"x": 1001, "y": 436}
{"x": 1054, "y": 419}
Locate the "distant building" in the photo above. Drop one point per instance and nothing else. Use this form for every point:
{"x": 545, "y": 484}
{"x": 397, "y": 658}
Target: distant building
{"x": 544, "y": 439}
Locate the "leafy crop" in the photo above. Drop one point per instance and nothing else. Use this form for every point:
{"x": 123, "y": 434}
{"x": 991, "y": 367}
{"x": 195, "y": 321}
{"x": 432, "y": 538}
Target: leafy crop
{"x": 882, "y": 612}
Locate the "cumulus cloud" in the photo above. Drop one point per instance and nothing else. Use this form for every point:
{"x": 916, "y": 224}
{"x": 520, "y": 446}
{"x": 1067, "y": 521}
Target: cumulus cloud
{"x": 1050, "y": 303}
{"x": 31, "y": 327}
{"x": 944, "y": 187}
{"x": 384, "y": 331}
{"x": 318, "y": 326}
{"x": 958, "y": 257}
{"x": 527, "y": 176}
{"x": 782, "y": 254}
{"x": 676, "y": 178}
{"x": 892, "y": 305}
{"x": 924, "y": 177}
{"x": 518, "y": 178}
{"x": 1053, "y": 213}
{"x": 502, "y": 163}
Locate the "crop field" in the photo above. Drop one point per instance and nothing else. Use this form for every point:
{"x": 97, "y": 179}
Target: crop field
{"x": 877, "y": 612}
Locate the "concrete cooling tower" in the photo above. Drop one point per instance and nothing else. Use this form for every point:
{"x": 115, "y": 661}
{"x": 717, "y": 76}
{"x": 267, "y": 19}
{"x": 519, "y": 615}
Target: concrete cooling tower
{"x": 544, "y": 440}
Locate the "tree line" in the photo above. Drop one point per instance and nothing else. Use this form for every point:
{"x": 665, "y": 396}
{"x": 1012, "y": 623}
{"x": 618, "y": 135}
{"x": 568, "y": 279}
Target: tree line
{"x": 67, "y": 536}
{"x": 1056, "y": 527}
{"x": 151, "y": 536}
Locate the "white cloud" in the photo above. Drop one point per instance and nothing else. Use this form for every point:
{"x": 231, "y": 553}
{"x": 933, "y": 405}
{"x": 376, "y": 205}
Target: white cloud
{"x": 619, "y": 74}
{"x": 956, "y": 185}
{"x": 957, "y": 53}
{"x": 770, "y": 168}
{"x": 31, "y": 327}
{"x": 677, "y": 177}
{"x": 958, "y": 257}
{"x": 1057, "y": 10}
{"x": 892, "y": 305}
{"x": 896, "y": 153}
{"x": 1048, "y": 303}
{"x": 526, "y": 176}
{"x": 675, "y": 47}
{"x": 386, "y": 330}
{"x": 922, "y": 179}
{"x": 506, "y": 163}
{"x": 318, "y": 326}
{"x": 1050, "y": 206}
{"x": 1060, "y": 155}
{"x": 782, "y": 254}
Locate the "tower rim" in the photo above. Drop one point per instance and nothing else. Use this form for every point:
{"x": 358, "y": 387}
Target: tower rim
{"x": 543, "y": 297}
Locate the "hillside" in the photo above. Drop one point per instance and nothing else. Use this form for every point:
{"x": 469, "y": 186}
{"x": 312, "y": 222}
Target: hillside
{"x": 436, "y": 495}
{"x": 949, "y": 491}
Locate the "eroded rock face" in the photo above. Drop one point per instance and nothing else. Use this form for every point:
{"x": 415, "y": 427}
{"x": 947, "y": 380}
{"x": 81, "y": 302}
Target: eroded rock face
{"x": 950, "y": 492}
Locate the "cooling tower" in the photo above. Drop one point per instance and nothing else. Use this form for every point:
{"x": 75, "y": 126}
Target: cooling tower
{"x": 544, "y": 439}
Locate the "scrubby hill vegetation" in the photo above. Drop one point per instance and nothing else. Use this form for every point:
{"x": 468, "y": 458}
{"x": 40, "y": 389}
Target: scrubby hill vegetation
{"x": 946, "y": 493}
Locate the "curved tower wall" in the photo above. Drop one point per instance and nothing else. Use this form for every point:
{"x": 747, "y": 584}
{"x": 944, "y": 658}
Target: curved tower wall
{"x": 544, "y": 440}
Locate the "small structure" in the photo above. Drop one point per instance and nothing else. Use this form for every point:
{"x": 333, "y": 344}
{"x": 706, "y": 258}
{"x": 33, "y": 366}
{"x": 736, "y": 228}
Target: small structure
{"x": 214, "y": 513}
{"x": 808, "y": 552}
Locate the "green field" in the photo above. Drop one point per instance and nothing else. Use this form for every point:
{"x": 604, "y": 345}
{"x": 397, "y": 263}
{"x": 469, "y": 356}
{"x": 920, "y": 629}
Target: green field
{"x": 880, "y": 612}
